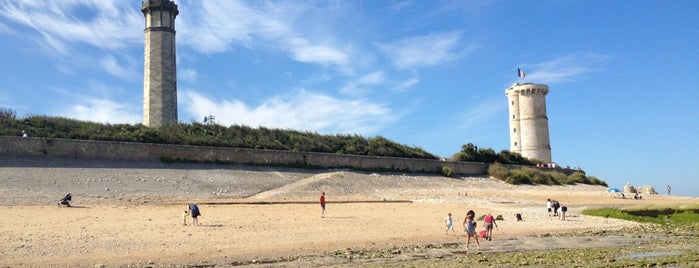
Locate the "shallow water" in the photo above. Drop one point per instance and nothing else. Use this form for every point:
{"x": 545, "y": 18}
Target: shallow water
{"x": 650, "y": 254}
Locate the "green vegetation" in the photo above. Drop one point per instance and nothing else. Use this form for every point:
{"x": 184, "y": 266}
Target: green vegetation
{"x": 447, "y": 172}
{"x": 471, "y": 153}
{"x": 685, "y": 216}
{"x": 207, "y": 135}
{"x": 276, "y": 139}
{"x": 530, "y": 175}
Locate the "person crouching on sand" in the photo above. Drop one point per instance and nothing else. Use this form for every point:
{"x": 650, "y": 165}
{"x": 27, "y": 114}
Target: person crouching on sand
{"x": 470, "y": 229}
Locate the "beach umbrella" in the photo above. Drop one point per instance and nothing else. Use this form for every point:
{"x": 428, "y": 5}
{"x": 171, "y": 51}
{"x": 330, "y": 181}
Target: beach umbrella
{"x": 613, "y": 190}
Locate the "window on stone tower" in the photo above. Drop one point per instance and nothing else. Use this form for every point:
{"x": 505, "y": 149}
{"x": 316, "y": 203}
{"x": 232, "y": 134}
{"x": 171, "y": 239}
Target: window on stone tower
{"x": 157, "y": 17}
{"x": 513, "y": 116}
{"x": 514, "y": 130}
{"x": 515, "y": 144}
{"x": 513, "y": 102}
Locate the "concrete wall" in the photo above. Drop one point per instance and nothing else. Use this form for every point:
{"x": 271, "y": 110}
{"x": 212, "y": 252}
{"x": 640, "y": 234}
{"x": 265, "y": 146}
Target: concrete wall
{"x": 83, "y": 149}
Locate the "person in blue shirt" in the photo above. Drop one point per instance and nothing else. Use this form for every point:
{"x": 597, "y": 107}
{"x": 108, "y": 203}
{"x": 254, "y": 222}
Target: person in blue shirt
{"x": 193, "y": 210}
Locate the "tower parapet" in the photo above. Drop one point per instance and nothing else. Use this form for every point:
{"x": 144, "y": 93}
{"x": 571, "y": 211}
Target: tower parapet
{"x": 160, "y": 70}
{"x": 529, "y": 127}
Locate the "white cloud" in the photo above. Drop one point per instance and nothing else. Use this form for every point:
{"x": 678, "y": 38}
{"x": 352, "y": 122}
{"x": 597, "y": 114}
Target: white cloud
{"x": 424, "y": 51}
{"x": 482, "y": 112}
{"x": 104, "y": 24}
{"x": 187, "y": 74}
{"x": 565, "y": 68}
{"x": 104, "y": 111}
{"x": 217, "y": 27}
{"x": 302, "y": 51}
{"x": 110, "y": 64}
{"x": 405, "y": 84}
{"x": 302, "y": 110}
{"x": 402, "y": 5}
{"x": 362, "y": 84}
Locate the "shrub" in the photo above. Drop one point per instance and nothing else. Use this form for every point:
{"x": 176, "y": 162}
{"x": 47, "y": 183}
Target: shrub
{"x": 447, "y": 172}
{"x": 7, "y": 114}
{"x": 578, "y": 177}
{"x": 594, "y": 180}
{"x": 498, "y": 171}
{"x": 527, "y": 175}
{"x": 198, "y": 134}
{"x": 518, "y": 177}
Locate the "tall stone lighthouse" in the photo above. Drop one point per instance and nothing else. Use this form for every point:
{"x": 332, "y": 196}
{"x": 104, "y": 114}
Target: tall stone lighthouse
{"x": 529, "y": 125}
{"x": 160, "y": 70}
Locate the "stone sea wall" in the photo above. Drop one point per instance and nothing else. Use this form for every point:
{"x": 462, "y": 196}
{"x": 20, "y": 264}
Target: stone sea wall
{"x": 107, "y": 150}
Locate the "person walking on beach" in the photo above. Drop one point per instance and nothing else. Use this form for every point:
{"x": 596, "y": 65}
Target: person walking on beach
{"x": 668, "y": 189}
{"x": 470, "y": 229}
{"x": 450, "y": 224}
{"x": 548, "y": 206}
{"x": 322, "y": 205}
{"x": 193, "y": 210}
{"x": 488, "y": 223}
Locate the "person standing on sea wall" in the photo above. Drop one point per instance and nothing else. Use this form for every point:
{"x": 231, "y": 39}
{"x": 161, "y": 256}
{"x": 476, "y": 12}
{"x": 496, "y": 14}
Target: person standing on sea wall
{"x": 668, "y": 189}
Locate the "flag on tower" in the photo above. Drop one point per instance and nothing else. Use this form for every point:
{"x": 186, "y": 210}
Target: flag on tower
{"x": 521, "y": 73}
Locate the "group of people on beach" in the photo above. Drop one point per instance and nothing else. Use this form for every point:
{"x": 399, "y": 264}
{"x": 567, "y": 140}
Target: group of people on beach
{"x": 470, "y": 228}
{"x": 191, "y": 211}
{"x": 557, "y": 209}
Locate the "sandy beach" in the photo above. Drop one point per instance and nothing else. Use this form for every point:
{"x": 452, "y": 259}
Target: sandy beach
{"x": 128, "y": 213}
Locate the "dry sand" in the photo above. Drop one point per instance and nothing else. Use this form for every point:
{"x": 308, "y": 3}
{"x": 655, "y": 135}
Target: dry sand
{"x": 130, "y": 213}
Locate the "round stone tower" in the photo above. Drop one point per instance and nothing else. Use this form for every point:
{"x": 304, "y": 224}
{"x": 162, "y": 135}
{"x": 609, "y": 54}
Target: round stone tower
{"x": 529, "y": 125}
{"x": 160, "y": 70}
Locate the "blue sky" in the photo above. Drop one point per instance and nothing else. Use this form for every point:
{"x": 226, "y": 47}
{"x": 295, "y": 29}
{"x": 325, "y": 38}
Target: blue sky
{"x": 624, "y": 89}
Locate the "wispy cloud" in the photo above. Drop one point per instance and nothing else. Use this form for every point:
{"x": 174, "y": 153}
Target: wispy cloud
{"x": 481, "y": 112}
{"x": 110, "y": 64}
{"x": 103, "y": 24}
{"x": 405, "y": 84}
{"x": 566, "y": 68}
{"x": 221, "y": 26}
{"x": 402, "y": 5}
{"x": 302, "y": 110}
{"x": 424, "y": 51}
{"x": 187, "y": 74}
{"x": 362, "y": 85}
{"x": 104, "y": 111}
